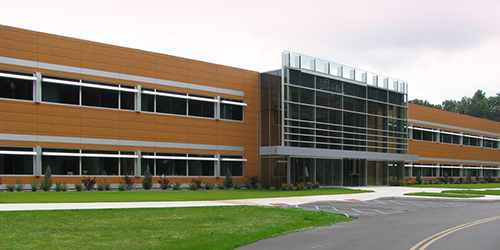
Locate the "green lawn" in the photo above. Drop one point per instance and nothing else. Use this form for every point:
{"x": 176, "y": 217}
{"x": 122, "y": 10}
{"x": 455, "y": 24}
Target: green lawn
{"x": 486, "y": 192}
{"x": 162, "y": 228}
{"x": 156, "y": 195}
{"x": 452, "y": 195}
{"x": 462, "y": 186}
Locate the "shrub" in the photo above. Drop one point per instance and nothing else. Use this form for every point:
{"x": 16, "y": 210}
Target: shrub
{"x": 254, "y": 181}
{"x": 418, "y": 178}
{"x": 103, "y": 185}
{"x": 78, "y": 187}
{"x": 128, "y": 182}
{"x": 64, "y": 187}
{"x": 122, "y": 186}
{"x": 147, "y": 181}
{"x": 316, "y": 185}
{"x": 199, "y": 183}
{"x": 193, "y": 186}
{"x": 19, "y": 186}
{"x": 468, "y": 179}
{"x": 228, "y": 182}
{"x": 456, "y": 182}
{"x": 58, "y": 187}
{"x": 482, "y": 181}
{"x": 300, "y": 186}
{"x": 10, "y": 187}
{"x": 265, "y": 184}
{"x": 445, "y": 178}
{"x": 0, "y": 180}
{"x": 460, "y": 180}
{"x": 164, "y": 183}
{"x": 488, "y": 178}
{"x": 34, "y": 186}
{"x": 176, "y": 186}
{"x": 426, "y": 182}
{"x": 473, "y": 182}
{"x": 46, "y": 183}
{"x": 221, "y": 186}
{"x": 277, "y": 184}
{"x": 209, "y": 186}
{"x": 88, "y": 183}
{"x": 451, "y": 180}
{"x": 309, "y": 185}
{"x": 248, "y": 185}
{"x": 284, "y": 186}
{"x": 237, "y": 185}
{"x": 291, "y": 187}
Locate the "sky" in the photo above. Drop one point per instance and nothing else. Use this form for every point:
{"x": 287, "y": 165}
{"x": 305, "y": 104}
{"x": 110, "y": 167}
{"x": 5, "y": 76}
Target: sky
{"x": 445, "y": 49}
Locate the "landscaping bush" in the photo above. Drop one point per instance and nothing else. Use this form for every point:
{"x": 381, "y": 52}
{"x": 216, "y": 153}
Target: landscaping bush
{"x": 460, "y": 180}
{"x": 128, "y": 182}
{"x": 473, "y": 182}
{"x": 300, "y": 186}
{"x": 164, "y": 183}
{"x": 88, "y": 183}
{"x": 193, "y": 186}
{"x": 103, "y": 185}
{"x": 456, "y": 182}
{"x": 34, "y": 186}
{"x": 209, "y": 186}
{"x": 309, "y": 185}
{"x": 19, "y": 186}
{"x": 237, "y": 185}
{"x": 445, "y": 178}
{"x": 451, "y": 180}
{"x": 228, "y": 182}
{"x": 264, "y": 184}
{"x": 316, "y": 184}
{"x": 254, "y": 181}
{"x": 78, "y": 187}
{"x": 418, "y": 178}
{"x": 199, "y": 183}
{"x": 147, "y": 181}
{"x": 221, "y": 186}
{"x": 122, "y": 186}
{"x": 277, "y": 184}
{"x": 64, "y": 187}
{"x": 248, "y": 185}
{"x": 46, "y": 183}
{"x": 0, "y": 180}
{"x": 176, "y": 186}
{"x": 488, "y": 178}
{"x": 284, "y": 186}
{"x": 58, "y": 187}
{"x": 10, "y": 187}
{"x": 468, "y": 179}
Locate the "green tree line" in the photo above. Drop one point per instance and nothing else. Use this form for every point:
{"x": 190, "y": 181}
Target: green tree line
{"x": 478, "y": 105}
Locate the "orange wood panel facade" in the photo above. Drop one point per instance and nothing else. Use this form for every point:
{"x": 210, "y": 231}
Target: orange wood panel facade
{"x": 49, "y": 119}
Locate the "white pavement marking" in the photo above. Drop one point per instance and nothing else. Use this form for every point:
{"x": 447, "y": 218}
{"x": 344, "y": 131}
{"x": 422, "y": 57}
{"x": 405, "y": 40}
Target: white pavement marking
{"x": 335, "y": 209}
{"x": 379, "y": 211}
{"x": 356, "y": 210}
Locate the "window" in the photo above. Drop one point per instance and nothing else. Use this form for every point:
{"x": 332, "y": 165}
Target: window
{"x": 127, "y": 100}
{"x": 16, "y": 160}
{"x": 147, "y": 102}
{"x": 201, "y": 167}
{"x": 60, "y": 93}
{"x": 170, "y": 105}
{"x": 231, "y": 163}
{"x": 16, "y": 86}
{"x": 99, "y": 97}
{"x": 61, "y": 165}
{"x": 231, "y": 111}
{"x": 201, "y": 108}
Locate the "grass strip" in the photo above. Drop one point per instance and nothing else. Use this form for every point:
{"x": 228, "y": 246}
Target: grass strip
{"x": 452, "y": 195}
{"x": 162, "y": 228}
{"x": 461, "y": 186}
{"x": 157, "y": 195}
{"x": 477, "y": 192}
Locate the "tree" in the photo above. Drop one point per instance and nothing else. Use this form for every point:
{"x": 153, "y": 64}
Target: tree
{"x": 228, "y": 182}
{"x": 46, "y": 183}
{"x": 425, "y": 103}
{"x": 147, "y": 182}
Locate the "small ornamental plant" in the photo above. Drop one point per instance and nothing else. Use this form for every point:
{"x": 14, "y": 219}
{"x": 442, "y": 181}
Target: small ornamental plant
{"x": 228, "y": 182}
{"x": 284, "y": 186}
{"x": 88, "y": 183}
{"x": 221, "y": 186}
{"x": 248, "y": 185}
{"x": 78, "y": 187}
{"x": 300, "y": 186}
{"x": 164, "y": 183}
{"x": 128, "y": 182}
{"x": 209, "y": 185}
{"x": 147, "y": 181}
{"x": 34, "y": 186}
{"x": 19, "y": 186}
{"x": 176, "y": 186}
{"x": 316, "y": 185}
{"x": 46, "y": 183}
{"x": 309, "y": 185}
{"x": 237, "y": 185}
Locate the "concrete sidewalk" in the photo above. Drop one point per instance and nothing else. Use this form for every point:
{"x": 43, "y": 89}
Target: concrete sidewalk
{"x": 379, "y": 192}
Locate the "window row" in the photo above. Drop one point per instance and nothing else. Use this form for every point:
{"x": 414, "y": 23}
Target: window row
{"x": 295, "y": 77}
{"x": 21, "y": 161}
{"x": 455, "y": 171}
{"x": 458, "y": 138}
{"x": 55, "y": 89}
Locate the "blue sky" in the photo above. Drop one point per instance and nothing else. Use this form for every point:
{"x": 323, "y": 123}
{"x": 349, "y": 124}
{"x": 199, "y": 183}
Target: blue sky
{"x": 444, "y": 49}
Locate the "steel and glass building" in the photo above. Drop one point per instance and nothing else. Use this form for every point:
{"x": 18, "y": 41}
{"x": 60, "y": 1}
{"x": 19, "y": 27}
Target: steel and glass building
{"x": 331, "y": 123}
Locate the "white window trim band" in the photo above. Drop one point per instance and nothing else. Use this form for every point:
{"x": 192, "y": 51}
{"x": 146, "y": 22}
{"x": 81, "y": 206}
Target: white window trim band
{"x": 22, "y": 77}
{"x": 89, "y": 155}
{"x": 90, "y": 85}
{"x": 8, "y": 152}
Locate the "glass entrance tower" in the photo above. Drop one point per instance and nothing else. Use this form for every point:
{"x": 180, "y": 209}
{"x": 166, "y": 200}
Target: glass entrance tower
{"x": 337, "y": 125}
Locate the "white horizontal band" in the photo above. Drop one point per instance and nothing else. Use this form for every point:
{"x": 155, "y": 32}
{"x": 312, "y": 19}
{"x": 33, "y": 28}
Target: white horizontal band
{"x": 89, "y": 155}
{"x": 89, "y": 85}
{"x": 8, "y": 152}
{"x": 22, "y": 77}
{"x": 161, "y": 157}
{"x": 234, "y": 103}
{"x": 232, "y": 159}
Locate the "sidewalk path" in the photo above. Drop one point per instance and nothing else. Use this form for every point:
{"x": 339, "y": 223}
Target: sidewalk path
{"x": 379, "y": 192}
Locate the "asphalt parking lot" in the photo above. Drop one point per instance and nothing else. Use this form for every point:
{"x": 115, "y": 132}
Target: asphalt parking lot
{"x": 382, "y": 206}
